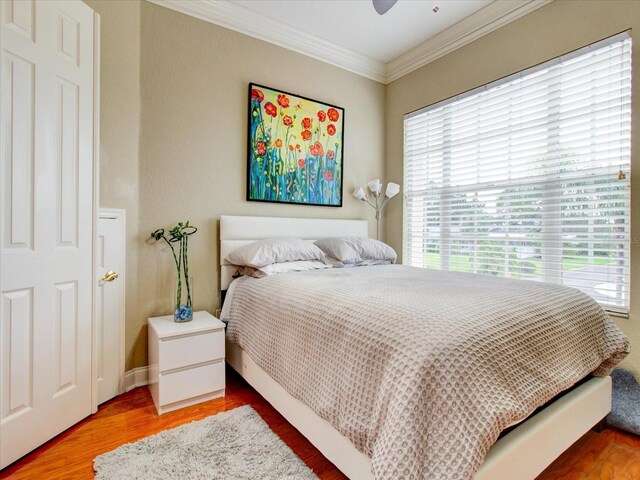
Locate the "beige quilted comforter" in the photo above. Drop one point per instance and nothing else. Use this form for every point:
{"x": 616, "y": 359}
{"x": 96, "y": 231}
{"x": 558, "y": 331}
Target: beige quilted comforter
{"x": 421, "y": 369}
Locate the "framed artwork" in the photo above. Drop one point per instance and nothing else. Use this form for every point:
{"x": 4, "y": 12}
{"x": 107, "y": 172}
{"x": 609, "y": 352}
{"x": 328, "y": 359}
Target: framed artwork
{"x": 296, "y": 149}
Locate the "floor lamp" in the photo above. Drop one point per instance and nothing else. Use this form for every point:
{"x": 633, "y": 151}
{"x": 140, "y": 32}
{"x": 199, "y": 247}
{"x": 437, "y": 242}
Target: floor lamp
{"x": 375, "y": 186}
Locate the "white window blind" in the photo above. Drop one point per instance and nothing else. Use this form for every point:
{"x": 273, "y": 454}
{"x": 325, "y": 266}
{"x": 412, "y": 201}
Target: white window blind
{"x": 521, "y": 178}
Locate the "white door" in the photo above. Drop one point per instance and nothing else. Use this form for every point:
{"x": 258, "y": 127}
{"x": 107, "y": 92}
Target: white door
{"x": 110, "y": 303}
{"x": 46, "y": 220}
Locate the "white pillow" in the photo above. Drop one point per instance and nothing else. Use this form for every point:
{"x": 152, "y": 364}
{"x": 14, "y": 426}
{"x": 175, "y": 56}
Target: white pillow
{"x": 274, "y": 250}
{"x": 284, "y": 267}
{"x": 357, "y": 250}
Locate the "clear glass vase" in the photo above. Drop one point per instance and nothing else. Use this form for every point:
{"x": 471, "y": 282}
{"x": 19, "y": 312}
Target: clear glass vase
{"x": 183, "y": 301}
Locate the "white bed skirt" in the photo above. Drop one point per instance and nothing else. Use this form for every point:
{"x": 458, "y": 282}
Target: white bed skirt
{"x": 523, "y": 453}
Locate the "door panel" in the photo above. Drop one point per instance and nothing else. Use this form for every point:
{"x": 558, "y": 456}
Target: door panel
{"x": 20, "y": 17}
{"x": 66, "y": 159}
{"x": 18, "y": 81}
{"x": 66, "y": 329}
{"x": 17, "y": 339}
{"x": 46, "y": 278}
{"x": 110, "y": 303}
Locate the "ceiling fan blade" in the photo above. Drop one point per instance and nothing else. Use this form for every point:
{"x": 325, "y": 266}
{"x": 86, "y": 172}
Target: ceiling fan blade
{"x": 383, "y": 6}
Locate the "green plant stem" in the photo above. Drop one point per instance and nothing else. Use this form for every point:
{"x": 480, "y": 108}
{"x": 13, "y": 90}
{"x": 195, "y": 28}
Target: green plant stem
{"x": 179, "y": 289}
{"x": 179, "y": 233}
{"x": 185, "y": 262}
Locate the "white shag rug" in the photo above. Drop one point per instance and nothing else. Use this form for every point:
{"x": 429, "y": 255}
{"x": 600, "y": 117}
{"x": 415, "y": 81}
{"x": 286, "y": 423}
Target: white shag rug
{"x": 236, "y": 444}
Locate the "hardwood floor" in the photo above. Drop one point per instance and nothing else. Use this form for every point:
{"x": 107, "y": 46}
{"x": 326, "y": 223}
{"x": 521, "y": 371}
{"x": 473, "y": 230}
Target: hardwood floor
{"x": 608, "y": 455}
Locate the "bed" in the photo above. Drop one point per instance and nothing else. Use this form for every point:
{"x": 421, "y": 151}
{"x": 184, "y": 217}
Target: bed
{"x": 522, "y": 453}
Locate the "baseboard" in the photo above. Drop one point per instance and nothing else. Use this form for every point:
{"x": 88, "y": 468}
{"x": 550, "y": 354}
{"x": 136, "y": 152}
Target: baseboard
{"x": 137, "y": 377}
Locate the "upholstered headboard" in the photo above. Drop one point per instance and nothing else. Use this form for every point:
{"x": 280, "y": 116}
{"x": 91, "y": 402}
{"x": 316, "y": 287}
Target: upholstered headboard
{"x": 236, "y": 231}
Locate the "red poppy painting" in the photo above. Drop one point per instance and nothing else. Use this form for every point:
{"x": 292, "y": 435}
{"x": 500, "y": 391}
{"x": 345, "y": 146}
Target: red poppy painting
{"x": 283, "y": 101}
{"x": 309, "y": 173}
{"x": 257, "y": 95}
{"x": 316, "y": 149}
{"x": 270, "y": 109}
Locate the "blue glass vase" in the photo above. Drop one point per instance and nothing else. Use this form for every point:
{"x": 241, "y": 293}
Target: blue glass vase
{"x": 183, "y": 310}
{"x": 183, "y": 313}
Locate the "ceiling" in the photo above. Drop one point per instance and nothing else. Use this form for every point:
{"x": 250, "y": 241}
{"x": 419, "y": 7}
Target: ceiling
{"x": 351, "y": 35}
{"x": 355, "y": 25}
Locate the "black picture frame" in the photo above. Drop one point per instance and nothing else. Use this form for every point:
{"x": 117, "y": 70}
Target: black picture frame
{"x": 294, "y": 157}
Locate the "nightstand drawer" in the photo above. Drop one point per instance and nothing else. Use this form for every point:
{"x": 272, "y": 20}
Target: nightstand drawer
{"x": 191, "y": 350}
{"x": 192, "y": 382}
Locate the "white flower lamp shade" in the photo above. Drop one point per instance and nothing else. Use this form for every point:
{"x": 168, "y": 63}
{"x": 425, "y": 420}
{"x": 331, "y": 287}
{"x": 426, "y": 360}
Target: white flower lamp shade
{"x": 377, "y": 203}
{"x": 392, "y": 189}
{"x": 359, "y": 194}
{"x": 375, "y": 186}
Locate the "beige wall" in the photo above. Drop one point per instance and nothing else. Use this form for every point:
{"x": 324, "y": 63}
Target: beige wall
{"x": 173, "y": 128}
{"x": 193, "y": 137}
{"x": 119, "y": 133}
{"x": 557, "y": 28}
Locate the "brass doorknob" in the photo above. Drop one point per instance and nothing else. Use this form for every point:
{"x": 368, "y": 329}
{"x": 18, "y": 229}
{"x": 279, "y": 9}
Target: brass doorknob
{"x": 110, "y": 276}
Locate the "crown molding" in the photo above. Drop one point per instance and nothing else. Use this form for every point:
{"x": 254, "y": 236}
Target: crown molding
{"x": 480, "y": 23}
{"x": 242, "y": 20}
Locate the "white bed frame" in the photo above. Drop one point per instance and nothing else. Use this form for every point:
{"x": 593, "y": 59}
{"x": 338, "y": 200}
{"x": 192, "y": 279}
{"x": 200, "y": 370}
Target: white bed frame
{"x": 521, "y": 454}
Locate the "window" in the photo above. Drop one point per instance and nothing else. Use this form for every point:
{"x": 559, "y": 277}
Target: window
{"x": 528, "y": 177}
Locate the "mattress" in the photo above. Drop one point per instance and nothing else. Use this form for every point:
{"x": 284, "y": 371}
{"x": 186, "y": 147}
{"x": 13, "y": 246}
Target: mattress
{"x": 420, "y": 369}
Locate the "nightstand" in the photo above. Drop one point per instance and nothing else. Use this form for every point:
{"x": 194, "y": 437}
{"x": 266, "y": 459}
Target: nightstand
{"x": 186, "y": 361}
